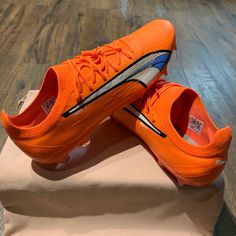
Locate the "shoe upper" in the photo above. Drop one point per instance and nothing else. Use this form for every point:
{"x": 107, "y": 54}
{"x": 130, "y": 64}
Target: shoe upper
{"x": 172, "y": 120}
{"x": 46, "y": 128}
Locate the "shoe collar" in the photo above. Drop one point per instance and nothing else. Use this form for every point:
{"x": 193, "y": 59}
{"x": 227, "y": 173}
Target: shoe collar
{"x": 16, "y": 131}
{"x": 217, "y": 145}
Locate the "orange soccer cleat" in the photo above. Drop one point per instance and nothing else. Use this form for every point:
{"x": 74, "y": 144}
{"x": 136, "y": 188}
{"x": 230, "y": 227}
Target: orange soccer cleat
{"x": 79, "y": 93}
{"x": 172, "y": 121}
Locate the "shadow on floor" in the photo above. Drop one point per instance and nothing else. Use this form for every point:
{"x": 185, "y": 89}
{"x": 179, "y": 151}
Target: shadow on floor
{"x": 226, "y": 223}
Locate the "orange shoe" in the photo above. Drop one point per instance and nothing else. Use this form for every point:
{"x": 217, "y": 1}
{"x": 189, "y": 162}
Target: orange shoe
{"x": 172, "y": 121}
{"x": 79, "y": 93}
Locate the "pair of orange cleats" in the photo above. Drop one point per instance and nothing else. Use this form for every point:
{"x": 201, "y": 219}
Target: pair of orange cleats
{"x": 122, "y": 79}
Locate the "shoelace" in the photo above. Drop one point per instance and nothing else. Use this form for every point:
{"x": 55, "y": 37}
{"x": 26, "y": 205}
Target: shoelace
{"x": 97, "y": 61}
{"x": 153, "y": 94}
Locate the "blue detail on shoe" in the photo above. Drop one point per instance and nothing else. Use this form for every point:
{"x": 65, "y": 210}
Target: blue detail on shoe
{"x": 161, "y": 61}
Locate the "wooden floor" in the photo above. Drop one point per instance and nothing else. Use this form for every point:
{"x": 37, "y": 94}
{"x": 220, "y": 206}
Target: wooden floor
{"x": 37, "y": 33}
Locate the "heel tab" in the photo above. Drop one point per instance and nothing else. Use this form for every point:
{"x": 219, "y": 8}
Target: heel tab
{"x": 223, "y": 137}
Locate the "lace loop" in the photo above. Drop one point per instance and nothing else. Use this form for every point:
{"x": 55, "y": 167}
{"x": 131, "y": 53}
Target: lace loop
{"x": 97, "y": 61}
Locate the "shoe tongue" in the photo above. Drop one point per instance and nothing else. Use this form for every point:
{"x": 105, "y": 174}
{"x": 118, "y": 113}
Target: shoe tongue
{"x": 87, "y": 70}
{"x": 171, "y": 90}
{"x": 111, "y": 55}
{"x": 121, "y": 43}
